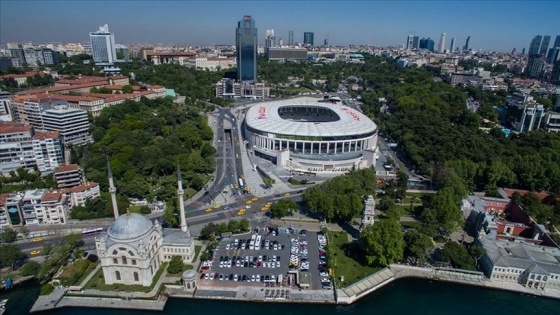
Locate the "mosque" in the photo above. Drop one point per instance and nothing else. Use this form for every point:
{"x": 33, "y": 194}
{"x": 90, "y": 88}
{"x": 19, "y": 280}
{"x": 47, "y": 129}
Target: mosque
{"x": 133, "y": 248}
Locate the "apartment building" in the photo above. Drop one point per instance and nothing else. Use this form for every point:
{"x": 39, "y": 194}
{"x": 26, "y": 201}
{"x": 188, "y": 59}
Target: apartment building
{"x": 10, "y": 209}
{"x": 5, "y": 106}
{"x": 16, "y": 147}
{"x": 82, "y": 193}
{"x": 48, "y": 150}
{"x": 72, "y": 124}
{"x": 31, "y": 207}
{"x": 54, "y": 208}
{"x": 68, "y": 176}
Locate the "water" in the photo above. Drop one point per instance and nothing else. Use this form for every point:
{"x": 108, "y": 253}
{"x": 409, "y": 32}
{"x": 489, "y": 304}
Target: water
{"x": 407, "y": 296}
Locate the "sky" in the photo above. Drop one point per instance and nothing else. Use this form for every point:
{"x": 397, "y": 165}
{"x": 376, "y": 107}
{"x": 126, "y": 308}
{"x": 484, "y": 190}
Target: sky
{"x": 492, "y": 25}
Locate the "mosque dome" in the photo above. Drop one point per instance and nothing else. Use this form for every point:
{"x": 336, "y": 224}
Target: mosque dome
{"x": 129, "y": 226}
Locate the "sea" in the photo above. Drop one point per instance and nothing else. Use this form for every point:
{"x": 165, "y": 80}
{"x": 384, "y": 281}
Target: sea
{"x": 404, "y": 296}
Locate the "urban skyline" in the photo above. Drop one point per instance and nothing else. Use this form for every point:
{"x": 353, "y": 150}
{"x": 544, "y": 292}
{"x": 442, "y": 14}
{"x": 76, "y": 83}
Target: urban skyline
{"x": 208, "y": 22}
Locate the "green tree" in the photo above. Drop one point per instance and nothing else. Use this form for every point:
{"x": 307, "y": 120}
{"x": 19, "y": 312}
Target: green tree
{"x": 9, "y": 255}
{"x": 282, "y": 208}
{"x": 417, "y": 245}
{"x": 222, "y": 227}
{"x": 268, "y": 182}
{"x": 127, "y": 89}
{"x": 382, "y": 243}
{"x": 244, "y": 225}
{"x": 458, "y": 255}
{"x": 30, "y": 268}
{"x": 233, "y": 226}
{"x": 8, "y": 235}
{"x": 74, "y": 240}
{"x": 176, "y": 265}
{"x": 47, "y": 249}
{"x": 441, "y": 212}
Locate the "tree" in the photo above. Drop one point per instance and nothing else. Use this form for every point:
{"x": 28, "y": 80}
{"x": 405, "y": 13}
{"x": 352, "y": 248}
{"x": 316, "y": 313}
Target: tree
{"x": 222, "y": 227}
{"x": 30, "y": 268}
{"x": 127, "y": 89}
{"x": 441, "y": 212}
{"x": 8, "y": 235}
{"x": 74, "y": 240}
{"x": 282, "y": 208}
{"x": 176, "y": 265}
{"x": 477, "y": 252}
{"x": 382, "y": 242}
{"x": 233, "y": 226}
{"x": 244, "y": 225}
{"x": 458, "y": 255}
{"x": 268, "y": 182}
{"x": 417, "y": 245}
{"x": 47, "y": 249}
{"x": 9, "y": 255}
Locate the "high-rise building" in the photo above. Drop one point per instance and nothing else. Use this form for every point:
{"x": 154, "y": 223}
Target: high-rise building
{"x": 441, "y": 46}
{"x": 555, "y": 79}
{"x": 544, "y": 45}
{"x": 17, "y": 147}
{"x": 48, "y": 150}
{"x": 535, "y": 45}
{"x": 452, "y": 46}
{"x": 49, "y": 56}
{"x": 535, "y": 65}
{"x": 467, "y": 44}
{"x": 72, "y": 123}
{"x": 409, "y": 42}
{"x": 553, "y": 55}
{"x": 246, "y": 45}
{"x": 308, "y": 38}
{"x": 5, "y": 63}
{"x": 18, "y": 53}
{"x": 270, "y": 40}
{"x": 427, "y": 43}
{"x": 290, "y": 38}
{"x": 103, "y": 46}
{"x": 326, "y": 42}
{"x": 556, "y": 42}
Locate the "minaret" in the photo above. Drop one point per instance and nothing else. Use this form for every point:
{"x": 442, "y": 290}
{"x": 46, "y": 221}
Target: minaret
{"x": 180, "y": 194}
{"x": 112, "y": 190}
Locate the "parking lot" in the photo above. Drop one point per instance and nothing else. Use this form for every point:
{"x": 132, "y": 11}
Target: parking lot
{"x": 273, "y": 262}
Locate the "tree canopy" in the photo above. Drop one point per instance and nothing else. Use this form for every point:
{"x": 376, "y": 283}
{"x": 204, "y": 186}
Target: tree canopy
{"x": 382, "y": 242}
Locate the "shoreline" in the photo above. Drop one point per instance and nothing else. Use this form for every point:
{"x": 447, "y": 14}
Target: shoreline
{"x": 344, "y": 296}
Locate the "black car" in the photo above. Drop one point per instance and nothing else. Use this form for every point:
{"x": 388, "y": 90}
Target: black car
{"x": 221, "y": 258}
{"x": 303, "y": 232}
{"x": 244, "y": 278}
{"x": 230, "y": 278}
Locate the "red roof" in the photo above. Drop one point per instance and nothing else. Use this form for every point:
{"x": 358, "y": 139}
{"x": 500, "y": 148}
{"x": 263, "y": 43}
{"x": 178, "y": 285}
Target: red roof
{"x": 54, "y": 195}
{"x": 42, "y": 135}
{"x": 83, "y": 187}
{"x": 66, "y": 168}
{"x": 13, "y": 127}
{"x": 3, "y": 198}
{"x": 522, "y": 192}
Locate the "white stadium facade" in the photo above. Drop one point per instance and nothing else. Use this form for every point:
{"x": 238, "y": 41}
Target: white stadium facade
{"x": 311, "y": 135}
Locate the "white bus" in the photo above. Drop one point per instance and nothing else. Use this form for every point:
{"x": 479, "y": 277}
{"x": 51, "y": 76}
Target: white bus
{"x": 258, "y": 243}
{"x": 252, "y": 242}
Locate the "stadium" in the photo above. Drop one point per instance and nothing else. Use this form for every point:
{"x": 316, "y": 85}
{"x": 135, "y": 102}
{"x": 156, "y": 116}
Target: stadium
{"x": 309, "y": 135}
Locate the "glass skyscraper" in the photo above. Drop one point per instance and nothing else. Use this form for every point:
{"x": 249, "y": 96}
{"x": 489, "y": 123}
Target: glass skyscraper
{"x": 246, "y": 45}
{"x": 308, "y": 38}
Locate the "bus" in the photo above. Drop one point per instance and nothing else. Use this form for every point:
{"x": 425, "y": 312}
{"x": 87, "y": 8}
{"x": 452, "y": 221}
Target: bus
{"x": 258, "y": 243}
{"x": 252, "y": 242}
{"x": 92, "y": 231}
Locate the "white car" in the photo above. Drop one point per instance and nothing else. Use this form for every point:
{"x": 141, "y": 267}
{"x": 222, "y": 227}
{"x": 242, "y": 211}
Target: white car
{"x": 277, "y": 264}
{"x": 253, "y": 278}
{"x": 258, "y": 278}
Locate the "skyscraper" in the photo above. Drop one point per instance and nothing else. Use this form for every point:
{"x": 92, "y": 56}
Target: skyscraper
{"x": 103, "y": 46}
{"x": 556, "y": 42}
{"x": 427, "y": 43}
{"x": 326, "y": 42}
{"x": 441, "y": 46}
{"x": 535, "y": 45}
{"x": 290, "y": 38}
{"x": 544, "y": 45}
{"x": 246, "y": 46}
{"x": 270, "y": 40}
{"x": 452, "y": 47}
{"x": 409, "y": 41}
{"x": 308, "y": 38}
{"x": 467, "y": 44}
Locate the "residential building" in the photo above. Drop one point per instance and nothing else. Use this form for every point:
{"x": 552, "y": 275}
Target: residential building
{"x": 54, "y": 208}
{"x": 72, "y": 123}
{"x": 246, "y": 45}
{"x": 16, "y": 147}
{"x": 82, "y": 193}
{"x": 30, "y": 111}
{"x": 48, "y": 150}
{"x": 68, "y": 176}
{"x": 228, "y": 88}
{"x": 308, "y": 38}
{"x": 103, "y": 46}
{"x": 551, "y": 121}
{"x": 287, "y": 54}
{"x": 441, "y": 46}
{"x": 5, "y": 106}
{"x": 10, "y": 209}
{"x": 31, "y": 207}
{"x": 523, "y": 113}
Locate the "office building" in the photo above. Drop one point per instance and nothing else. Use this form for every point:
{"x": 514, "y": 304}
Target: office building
{"x": 270, "y": 41}
{"x": 287, "y": 54}
{"x": 452, "y": 46}
{"x": 48, "y": 150}
{"x": 308, "y": 38}
{"x": 427, "y": 43}
{"x": 17, "y": 147}
{"x": 555, "y": 79}
{"x": 535, "y": 65}
{"x": 18, "y": 53}
{"x": 535, "y": 45}
{"x": 103, "y": 46}
{"x": 441, "y": 46}
{"x": 412, "y": 42}
{"x": 30, "y": 57}
{"x": 524, "y": 113}
{"x": 553, "y": 54}
{"x": 467, "y": 44}
{"x": 246, "y": 45}
{"x": 72, "y": 123}
{"x": 5, "y": 63}
{"x": 326, "y": 42}
{"x": 290, "y": 38}
{"x": 228, "y": 88}
{"x": 544, "y": 45}
{"x": 121, "y": 52}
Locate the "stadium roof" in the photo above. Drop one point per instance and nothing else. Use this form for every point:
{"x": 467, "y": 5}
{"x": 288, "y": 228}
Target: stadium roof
{"x": 264, "y": 117}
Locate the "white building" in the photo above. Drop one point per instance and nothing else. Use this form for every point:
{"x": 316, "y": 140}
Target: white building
{"x": 133, "y": 248}
{"x": 67, "y": 176}
{"x": 5, "y": 104}
{"x": 48, "y": 150}
{"x": 16, "y": 147}
{"x": 211, "y": 63}
{"x": 54, "y": 208}
{"x": 72, "y": 123}
{"x": 103, "y": 46}
{"x": 31, "y": 206}
{"x": 82, "y": 193}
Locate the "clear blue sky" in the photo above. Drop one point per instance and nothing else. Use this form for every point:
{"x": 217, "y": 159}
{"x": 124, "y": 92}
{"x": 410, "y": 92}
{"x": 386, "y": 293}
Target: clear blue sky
{"x": 495, "y": 25}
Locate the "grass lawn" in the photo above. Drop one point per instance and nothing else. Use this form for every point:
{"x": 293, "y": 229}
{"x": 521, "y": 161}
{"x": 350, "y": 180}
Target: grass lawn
{"x": 97, "y": 282}
{"x": 346, "y": 265}
{"x": 197, "y": 249}
{"x": 411, "y": 224}
{"x": 75, "y": 273}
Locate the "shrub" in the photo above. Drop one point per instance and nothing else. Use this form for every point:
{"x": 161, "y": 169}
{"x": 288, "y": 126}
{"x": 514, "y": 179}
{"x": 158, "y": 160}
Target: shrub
{"x": 47, "y": 288}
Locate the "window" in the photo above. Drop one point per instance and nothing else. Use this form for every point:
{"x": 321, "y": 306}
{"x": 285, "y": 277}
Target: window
{"x": 115, "y": 252}
{"x": 115, "y": 261}
{"x": 136, "y": 276}
{"x": 134, "y": 262}
{"x": 124, "y": 260}
{"x": 118, "y": 275}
